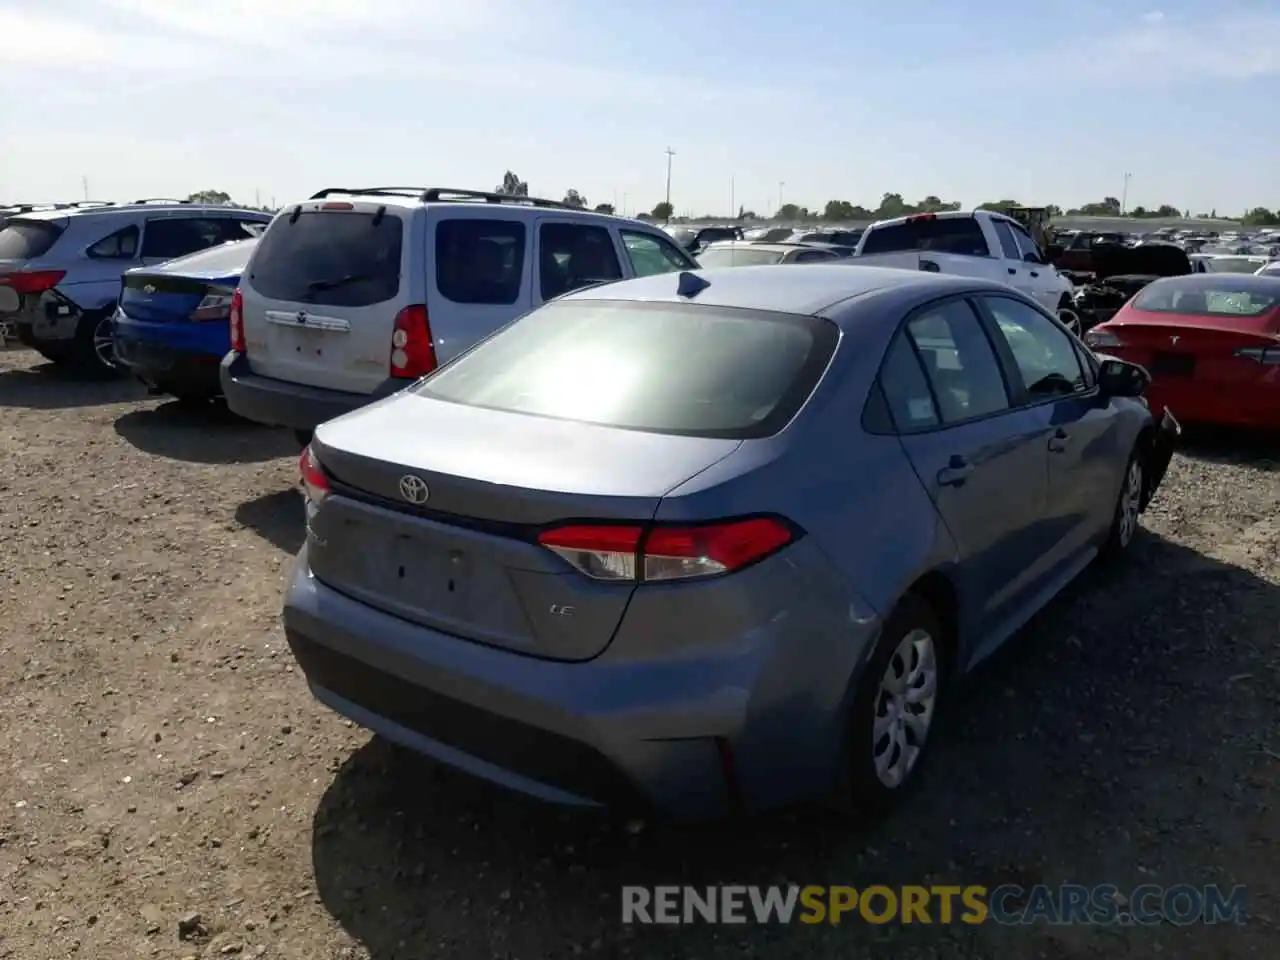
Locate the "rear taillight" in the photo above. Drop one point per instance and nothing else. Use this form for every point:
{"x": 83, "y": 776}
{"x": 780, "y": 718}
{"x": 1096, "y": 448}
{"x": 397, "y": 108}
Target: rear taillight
{"x": 667, "y": 552}
{"x": 412, "y": 353}
{"x": 1268, "y": 356}
{"x": 35, "y": 281}
{"x": 236, "y": 314}
{"x": 315, "y": 483}
{"x": 216, "y": 305}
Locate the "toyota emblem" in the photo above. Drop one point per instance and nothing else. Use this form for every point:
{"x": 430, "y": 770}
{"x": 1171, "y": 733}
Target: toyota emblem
{"x": 1174, "y": 340}
{"x": 414, "y": 489}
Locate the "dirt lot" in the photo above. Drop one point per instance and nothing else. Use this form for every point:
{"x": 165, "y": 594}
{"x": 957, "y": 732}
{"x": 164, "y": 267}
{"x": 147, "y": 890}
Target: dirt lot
{"x": 162, "y": 758}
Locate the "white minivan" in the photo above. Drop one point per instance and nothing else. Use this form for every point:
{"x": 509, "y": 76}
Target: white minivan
{"x": 352, "y": 295}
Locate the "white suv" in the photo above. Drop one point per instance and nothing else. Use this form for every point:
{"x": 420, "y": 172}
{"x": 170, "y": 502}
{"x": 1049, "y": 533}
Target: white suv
{"x": 354, "y": 294}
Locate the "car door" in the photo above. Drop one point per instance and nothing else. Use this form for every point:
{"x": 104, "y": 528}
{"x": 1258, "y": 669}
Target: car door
{"x": 1043, "y": 284}
{"x": 979, "y": 458}
{"x": 1077, "y": 426}
{"x": 1017, "y": 274}
{"x": 570, "y": 255}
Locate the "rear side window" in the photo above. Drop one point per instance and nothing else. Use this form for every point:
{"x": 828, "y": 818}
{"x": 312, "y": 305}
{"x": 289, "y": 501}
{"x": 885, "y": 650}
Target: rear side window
{"x": 673, "y": 368}
{"x": 330, "y": 258}
{"x": 959, "y": 362}
{"x": 121, "y": 245}
{"x": 942, "y": 235}
{"x": 906, "y": 391}
{"x": 27, "y": 239}
{"x": 480, "y": 261}
{"x": 812, "y": 256}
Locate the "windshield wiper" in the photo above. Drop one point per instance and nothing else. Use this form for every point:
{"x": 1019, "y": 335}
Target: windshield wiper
{"x": 318, "y": 285}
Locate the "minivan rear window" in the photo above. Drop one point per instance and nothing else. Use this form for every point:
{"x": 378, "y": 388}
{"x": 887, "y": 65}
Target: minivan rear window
{"x": 27, "y": 239}
{"x": 684, "y": 369}
{"x": 943, "y": 234}
{"x": 330, "y": 258}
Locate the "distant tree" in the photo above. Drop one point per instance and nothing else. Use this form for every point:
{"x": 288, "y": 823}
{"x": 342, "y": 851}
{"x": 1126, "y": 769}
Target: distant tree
{"x": 512, "y": 186}
{"x": 604, "y": 208}
{"x": 998, "y": 205}
{"x": 1262, "y": 217}
{"x": 646, "y": 217}
{"x": 745, "y": 214}
{"x": 210, "y": 197}
{"x": 574, "y": 199}
{"x": 892, "y": 205}
{"x": 1139, "y": 212}
{"x": 790, "y": 211}
{"x": 662, "y": 211}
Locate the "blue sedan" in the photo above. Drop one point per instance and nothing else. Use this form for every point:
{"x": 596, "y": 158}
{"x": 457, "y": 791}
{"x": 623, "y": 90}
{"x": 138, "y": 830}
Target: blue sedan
{"x": 717, "y": 539}
{"x": 172, "y": 326}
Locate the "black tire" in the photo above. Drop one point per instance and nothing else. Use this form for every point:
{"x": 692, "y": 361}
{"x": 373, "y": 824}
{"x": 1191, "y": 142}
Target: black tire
{"x": 90, "y": 354}
{"x": 864, "y": 789}
{"x": 1125, "y": 519}
{"x": 303, "y": 437}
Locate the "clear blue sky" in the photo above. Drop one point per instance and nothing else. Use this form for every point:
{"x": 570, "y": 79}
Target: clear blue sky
{"x": 1041, "y": 102}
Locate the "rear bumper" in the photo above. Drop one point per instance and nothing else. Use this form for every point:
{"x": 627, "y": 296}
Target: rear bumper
{"x": 280, "y": 403}
{"x": 1251, "y": 404}
{"x": 187, "y": 353}
{"x": 742, "y": 725}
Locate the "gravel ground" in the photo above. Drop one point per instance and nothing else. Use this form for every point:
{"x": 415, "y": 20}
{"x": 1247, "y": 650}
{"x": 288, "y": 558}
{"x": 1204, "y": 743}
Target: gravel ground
{"x": 168, "y": 787}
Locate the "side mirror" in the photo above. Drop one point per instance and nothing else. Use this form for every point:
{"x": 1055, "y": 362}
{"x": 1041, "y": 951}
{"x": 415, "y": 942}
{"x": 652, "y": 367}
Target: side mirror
{"x": 1118, "y": 378}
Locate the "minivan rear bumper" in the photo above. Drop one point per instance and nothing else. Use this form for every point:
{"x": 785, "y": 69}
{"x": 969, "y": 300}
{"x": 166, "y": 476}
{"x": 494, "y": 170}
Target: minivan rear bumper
{"x": 280, "y": 403}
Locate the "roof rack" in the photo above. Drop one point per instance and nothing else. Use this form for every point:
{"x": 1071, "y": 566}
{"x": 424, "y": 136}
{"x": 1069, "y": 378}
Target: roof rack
{"x": 158, "y": 200}
{"x": 82, "y": 204}
{"x": 437, "y": 194}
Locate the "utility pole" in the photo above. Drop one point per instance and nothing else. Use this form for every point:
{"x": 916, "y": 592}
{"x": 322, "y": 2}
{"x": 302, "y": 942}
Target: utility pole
{"x": 733, "y": 202}
{"x": 781, "y": 184}
{"x": 1124, "y": 195}
{"x": 670, "y": 153}
{"x": 84, "y": 182}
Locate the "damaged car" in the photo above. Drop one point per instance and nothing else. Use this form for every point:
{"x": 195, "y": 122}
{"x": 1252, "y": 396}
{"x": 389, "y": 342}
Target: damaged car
{"x": 1120, "y": 272}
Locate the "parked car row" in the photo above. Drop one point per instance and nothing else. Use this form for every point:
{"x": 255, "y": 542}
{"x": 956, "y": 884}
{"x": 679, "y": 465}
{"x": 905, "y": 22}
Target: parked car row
{"x": 606, "y": 525}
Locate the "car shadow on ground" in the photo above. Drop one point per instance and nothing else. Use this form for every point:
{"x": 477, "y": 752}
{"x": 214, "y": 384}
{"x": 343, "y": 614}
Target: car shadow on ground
{"x": 49, "y": 386}
{"x": 279, "y": 518}
{"x": 1251, "y": 448}
{"x": 1123, "y": 731}
{"x": 204, "y": 433}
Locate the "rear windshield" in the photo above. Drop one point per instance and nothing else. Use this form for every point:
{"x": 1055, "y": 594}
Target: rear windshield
{"x": 226, "y": 260}
{"x": 1242, "y": 296}
{"x": 332, "y": 258}
{"x": 738, "y": 257}
{"x": 682, "y": 369}
{"x": 944, "y": 235}
{"x": 1234, "y": 265}
{"x": 27, "y": 239}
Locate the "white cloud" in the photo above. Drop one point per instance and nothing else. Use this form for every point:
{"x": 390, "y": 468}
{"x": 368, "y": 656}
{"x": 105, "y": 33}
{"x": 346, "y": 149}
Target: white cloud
{"x": 1153, "y": 16}
{"x": 1231, "y": 47}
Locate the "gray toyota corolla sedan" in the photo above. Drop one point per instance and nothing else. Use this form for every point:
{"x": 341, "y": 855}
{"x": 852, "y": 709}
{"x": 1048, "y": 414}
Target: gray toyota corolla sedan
{"x": 712, "y": 540}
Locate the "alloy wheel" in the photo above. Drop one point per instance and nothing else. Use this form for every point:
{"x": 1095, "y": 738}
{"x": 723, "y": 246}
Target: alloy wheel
{"x": 1130, "y": 503}
{"x": 904, "y": 707}
{"x": 1071, "y": 320}
{"x": 104, "y": 347}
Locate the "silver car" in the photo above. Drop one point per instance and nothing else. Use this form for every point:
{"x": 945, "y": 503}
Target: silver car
{"x": 716, "y": 539}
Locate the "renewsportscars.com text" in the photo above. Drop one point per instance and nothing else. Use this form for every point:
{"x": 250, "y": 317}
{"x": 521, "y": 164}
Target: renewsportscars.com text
{"x": 1106, "y": 904}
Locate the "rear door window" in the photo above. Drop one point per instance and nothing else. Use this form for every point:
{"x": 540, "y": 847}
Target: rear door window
{"x": 121, "y": 245}
{"x": 959, "y": 362}
{"x": 233, "y": 229}
{"x": 960, "y": 235}
{"x": 480, "y": 261}
{"x": 574, "y": 255}
{"x": 27, "y": 239}
{"x": 1008, "y": 245}
{"x": 675, "y": 368}
{"x": 330, "y": 258}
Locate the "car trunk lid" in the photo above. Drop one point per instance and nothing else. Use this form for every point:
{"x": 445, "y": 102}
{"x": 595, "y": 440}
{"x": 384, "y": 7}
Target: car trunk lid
{"x": 1189, "y": 346}
{"x": 464, "y": 559}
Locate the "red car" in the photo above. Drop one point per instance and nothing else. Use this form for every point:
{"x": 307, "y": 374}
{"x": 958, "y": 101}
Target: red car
{"x": 1211, "y": 343}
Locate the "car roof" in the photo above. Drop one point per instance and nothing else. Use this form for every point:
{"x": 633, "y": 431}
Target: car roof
{"x": 778, "y": 246}
{"x": 804, "y": 288}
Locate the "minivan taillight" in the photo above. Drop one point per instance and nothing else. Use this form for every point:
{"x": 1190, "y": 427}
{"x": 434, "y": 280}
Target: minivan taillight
{"x": 413, "y": 355}
{"x": 236, "y": 315}
{"x": 667, "y": 552}
{"x": 35, "y": 281}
